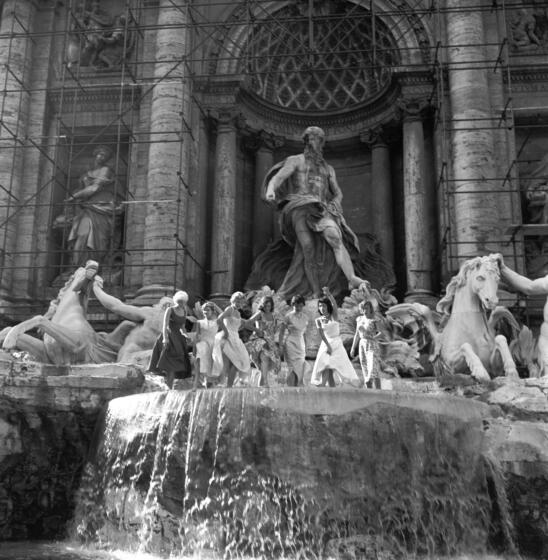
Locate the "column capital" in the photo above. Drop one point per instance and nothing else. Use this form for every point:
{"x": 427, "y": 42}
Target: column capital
{"x": 263, "y": 140}
{"x": 412, "y": 108}
{"x": 228, "y": 118}
{"x": 373, "y": 137}
{"x": 269, "y": 141}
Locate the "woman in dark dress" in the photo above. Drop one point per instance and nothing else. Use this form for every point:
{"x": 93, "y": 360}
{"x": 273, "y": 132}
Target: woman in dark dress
{"x": 170, "y": 353}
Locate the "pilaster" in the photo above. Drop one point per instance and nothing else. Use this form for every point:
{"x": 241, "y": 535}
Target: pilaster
{"x": 16, "y": 46}
{"x": 167, "y": 165}
{"x": 224, "y": 206}
{"x": 381, "y": 185}
{"x": 418, "y": 221}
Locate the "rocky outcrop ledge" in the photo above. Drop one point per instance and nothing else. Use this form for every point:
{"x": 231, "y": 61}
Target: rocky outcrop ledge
{"x": 47, "y": 420}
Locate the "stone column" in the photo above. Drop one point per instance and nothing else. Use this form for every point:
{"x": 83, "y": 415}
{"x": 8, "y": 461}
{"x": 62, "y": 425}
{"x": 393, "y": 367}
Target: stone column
{"x": 418, "y": 222}
{"x": 224, "y": 209}
{"x": 475, "y": 199}
{"x": 15, "y": 66}
{"x": 33, "y": 220}
{"x": 263, "y": 214}
{"x": 166, "y": 210}
{"x": 381, "y": 186}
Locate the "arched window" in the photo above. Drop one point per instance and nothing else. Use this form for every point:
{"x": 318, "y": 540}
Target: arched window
{"x": 338, "y": 56}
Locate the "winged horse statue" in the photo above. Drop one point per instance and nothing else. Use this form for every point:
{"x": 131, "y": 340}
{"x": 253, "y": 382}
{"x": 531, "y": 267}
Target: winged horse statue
{"x": 68, "y": 337}
{"x": 469, "y": 342}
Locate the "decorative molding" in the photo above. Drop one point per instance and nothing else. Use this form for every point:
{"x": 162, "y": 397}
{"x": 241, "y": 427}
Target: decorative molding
{"x": 100, "y": 99}
{"x": 377, "y": 136}
{"x": 413, "y": 108}
{"x": 255, "y": 141}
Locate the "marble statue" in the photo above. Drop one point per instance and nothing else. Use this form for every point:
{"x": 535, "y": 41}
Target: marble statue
{"x": 145, "y": 323}
{"x": 318, "y": 248}
{"x": 97, "y": 39}
{"x": 534, "y": 287}
{"x": 68, "y": 337}
{"x": 97, "y": 209}
{"x": 523, "y": 30}
{"x": 536, "y": 193}
{"x": 468, "y": 341}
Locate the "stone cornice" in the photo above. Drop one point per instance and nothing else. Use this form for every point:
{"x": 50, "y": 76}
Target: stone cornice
{"x": 406, "y": 87}
{"x": 289, "y": 123}
{"x": 528, "y": 78}
{"x": 93, "y": 98}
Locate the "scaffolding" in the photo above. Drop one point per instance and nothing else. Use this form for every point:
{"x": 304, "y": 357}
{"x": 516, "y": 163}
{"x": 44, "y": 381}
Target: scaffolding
{"x": 93, "y": 95}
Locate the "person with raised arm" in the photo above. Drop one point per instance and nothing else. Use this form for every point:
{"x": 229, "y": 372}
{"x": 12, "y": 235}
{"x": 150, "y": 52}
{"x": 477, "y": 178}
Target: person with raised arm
{"x": 332, "y": 357}
{"x": 294, "y": 349}
{"x": 229, "y": 352}
{"x": 263, "y": 344}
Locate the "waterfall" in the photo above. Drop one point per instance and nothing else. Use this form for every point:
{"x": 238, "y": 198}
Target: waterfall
{"x": 292, "y": 472}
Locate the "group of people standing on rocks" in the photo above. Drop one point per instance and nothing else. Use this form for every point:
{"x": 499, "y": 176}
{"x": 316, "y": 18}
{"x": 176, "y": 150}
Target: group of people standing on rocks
{"x": 216, "y": 355}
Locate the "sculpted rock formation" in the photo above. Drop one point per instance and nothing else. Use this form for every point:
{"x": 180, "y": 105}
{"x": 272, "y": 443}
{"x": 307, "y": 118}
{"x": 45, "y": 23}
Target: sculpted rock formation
{"x": 299, "y": 471}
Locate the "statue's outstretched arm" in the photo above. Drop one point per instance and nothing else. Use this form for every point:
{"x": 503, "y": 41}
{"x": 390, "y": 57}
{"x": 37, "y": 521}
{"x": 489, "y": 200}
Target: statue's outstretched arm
{"x": 286, "y": 171}
{"x": 130, "y": 312}
{"x": 537, "y": 287}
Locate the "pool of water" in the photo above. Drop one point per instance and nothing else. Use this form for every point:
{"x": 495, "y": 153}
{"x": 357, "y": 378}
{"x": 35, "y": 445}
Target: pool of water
{"x": 71, "y": 551}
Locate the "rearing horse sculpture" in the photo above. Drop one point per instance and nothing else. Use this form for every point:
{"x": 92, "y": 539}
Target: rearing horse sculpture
{"x": 469, "y": 341}
{"x": 68, "y": 336}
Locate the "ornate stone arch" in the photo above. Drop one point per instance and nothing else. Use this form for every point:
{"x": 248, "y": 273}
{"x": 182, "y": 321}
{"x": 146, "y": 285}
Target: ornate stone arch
{"x": 403, "y": 34}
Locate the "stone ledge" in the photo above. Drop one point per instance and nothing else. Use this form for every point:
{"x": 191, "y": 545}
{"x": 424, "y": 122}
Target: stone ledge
{"x": 87, "y": 387}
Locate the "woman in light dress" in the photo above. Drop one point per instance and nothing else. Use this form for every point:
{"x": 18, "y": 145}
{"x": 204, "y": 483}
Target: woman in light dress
{"x": 332, "y": 358}
{"x": 206, "y": 329}
{"x": 295, "y": 323}
{"x": 229, "y": 352}
{"x": 365, "y": 339}
{"x": 263, "y": 344}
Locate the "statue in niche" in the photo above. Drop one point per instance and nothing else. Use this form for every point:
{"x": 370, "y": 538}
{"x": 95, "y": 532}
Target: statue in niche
{"x": 523, "y": 26}
{"x": 536, "y": 193}
{"x": 95, "y": 225}
{"x": 317, "y": 247}
{"x": 97, "y": 39}
{"x": 529, "y": 27}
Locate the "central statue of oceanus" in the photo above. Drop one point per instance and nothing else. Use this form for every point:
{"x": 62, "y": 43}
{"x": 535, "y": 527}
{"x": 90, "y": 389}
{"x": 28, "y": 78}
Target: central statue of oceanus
{"x": 317, "y": 248}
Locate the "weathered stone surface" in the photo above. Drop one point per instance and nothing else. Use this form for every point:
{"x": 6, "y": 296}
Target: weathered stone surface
{"x": 47, "y": 419}
{"x": 68, "y": 387}
{"x": 285, "y": 471}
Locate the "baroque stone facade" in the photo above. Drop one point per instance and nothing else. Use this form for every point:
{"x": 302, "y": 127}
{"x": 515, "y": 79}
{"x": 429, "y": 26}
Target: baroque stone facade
{"x": 435, "y": 118}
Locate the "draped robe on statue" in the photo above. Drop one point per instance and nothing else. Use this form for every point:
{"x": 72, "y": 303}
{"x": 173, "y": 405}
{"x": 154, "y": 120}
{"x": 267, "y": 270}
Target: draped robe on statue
{"x": 281, "y": 264}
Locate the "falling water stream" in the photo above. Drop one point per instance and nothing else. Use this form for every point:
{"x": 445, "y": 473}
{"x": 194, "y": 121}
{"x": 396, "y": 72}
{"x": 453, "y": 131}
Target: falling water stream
{"x": 290, "y": 473}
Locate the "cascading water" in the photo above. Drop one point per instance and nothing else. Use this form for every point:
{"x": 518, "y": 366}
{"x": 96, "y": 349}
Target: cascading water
{"x": 299, "y": 473}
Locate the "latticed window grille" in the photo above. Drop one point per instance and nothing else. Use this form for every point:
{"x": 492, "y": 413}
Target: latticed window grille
{"x": 323, "y": 61}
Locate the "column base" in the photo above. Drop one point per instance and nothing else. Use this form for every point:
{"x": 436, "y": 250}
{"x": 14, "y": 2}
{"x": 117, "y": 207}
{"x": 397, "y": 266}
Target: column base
{"x": 418, "y": 295}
